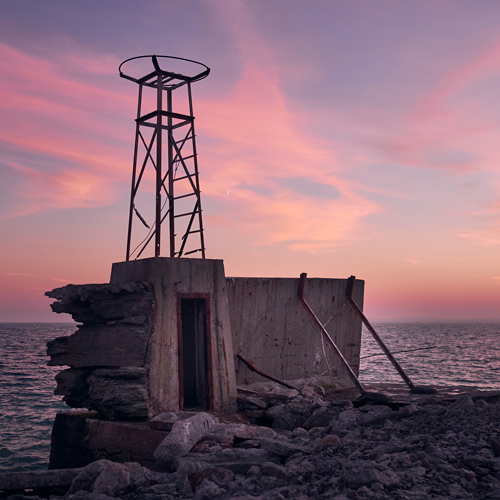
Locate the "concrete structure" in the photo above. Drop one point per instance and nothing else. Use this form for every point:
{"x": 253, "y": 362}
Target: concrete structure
{"x": 191, "y": 355}
{"x": 271, "y": 328}
{"x": 164, "y": 335}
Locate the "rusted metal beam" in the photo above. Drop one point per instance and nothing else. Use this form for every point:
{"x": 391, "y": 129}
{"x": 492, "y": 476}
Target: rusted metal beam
{"x": 352, "y": 375}
{"x": 359, "y": 312}
{"x": 265, "y": 375}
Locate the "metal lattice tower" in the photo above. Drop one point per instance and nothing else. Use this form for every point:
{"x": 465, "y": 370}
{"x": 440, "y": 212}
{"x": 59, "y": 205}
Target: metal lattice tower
{"x": 165, "y": 147}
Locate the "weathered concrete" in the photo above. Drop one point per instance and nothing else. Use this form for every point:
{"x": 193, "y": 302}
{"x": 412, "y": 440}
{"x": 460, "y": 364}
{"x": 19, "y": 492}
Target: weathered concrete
{"x": 98, "y": 345}
{"x": 184, "y": 435}
{"x": 37, "y": 479}
{"x": 126, "y": 359}
{"x": 271, "y": 328}
{"x": 78, "y": 439}
{"x": 174, "y": 279}
{"x": 108, "y": 354}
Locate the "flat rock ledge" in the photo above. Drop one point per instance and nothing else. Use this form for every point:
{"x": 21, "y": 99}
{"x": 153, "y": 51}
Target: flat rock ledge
{"x": 410, "y": 448}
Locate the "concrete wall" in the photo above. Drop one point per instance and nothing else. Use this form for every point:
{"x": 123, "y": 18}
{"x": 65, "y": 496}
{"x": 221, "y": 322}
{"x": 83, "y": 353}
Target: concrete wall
{"x": 172, "y": 278}
{"x": 271, "y": 328}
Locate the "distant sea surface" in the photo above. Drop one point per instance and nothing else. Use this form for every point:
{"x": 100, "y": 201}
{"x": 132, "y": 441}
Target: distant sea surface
{"x": 463, "y": 355}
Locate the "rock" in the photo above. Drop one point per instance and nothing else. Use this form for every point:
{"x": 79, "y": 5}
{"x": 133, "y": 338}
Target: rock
{"x": 37, "y": 479}
{"x": 373, "y": 398}
{"x": 112, "y": 481}
{"x": 347, "y": 419}
{"x": 375, "y": 414}
{"x": 407, "y": 411}
{"x": 246, "y": 402}
{"x": 290, "y": 415}
{"x": 184, "y": 435}
{"x": 423, "y": 389}
{"x": 239, "y": 431}
{"x": 307, "y": 390}
{"x": 207, "y": 490}
{"x": 282, "y": 448}
{"x": 274, "y": 470}
{"x": 330, "y": 440}
{"x": 462, "y": 402}
{"x": 365, "y": 473}
{"x": 321, "y": 417}
{"x": 237, "y": 460}
{"x": 495, "y": 445}
{"x": 85, "y": 480}
{"x": 217, "y": 475}
{"x": 165, "y": 421}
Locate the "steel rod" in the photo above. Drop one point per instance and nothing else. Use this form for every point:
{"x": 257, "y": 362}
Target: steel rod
{"x": 352, "y": 375}
{"x": 350, "y": 290}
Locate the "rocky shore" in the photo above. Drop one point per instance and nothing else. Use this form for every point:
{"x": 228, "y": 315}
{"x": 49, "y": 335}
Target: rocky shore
{"x": 310, "y": 445}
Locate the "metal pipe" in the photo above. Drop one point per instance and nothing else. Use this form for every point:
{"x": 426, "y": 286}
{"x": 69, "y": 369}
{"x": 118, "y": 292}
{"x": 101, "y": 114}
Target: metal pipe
{"x": 352, "y": 375}
{"x": 349, "y": 293}
{"x": 159, "y": 118}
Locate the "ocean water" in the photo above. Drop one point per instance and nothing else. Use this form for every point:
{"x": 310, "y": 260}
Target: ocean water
{"x": 27, "y": 401}
{"x": 449, "y": 354}
{"x": 464, "y": 355}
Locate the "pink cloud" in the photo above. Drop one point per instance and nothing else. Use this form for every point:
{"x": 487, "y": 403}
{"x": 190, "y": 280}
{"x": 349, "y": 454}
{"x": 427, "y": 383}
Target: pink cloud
{"x": 69, "y": 129}
{"x": 257, "y": 144}
{"x": 450, "y": 127}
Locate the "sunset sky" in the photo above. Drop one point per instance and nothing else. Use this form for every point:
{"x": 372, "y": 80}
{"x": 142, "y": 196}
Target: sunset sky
{"x": 335, "y": 138}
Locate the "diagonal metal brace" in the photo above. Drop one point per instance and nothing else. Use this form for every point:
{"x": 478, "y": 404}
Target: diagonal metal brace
{"x": 349, "y": 293}
{"x": 352, "y": 375}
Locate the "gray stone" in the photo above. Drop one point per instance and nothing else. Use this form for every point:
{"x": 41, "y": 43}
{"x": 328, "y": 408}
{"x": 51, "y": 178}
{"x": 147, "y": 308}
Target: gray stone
{"x": 85, "y": 480}
{"x": 365, "y": 473}
{"x": 290, "y": 415}
{"x": 184, "y": 435}
{"x": 282, "y": 448}
{"x": 246, "y": 402}
{"x": 274, "y": 470}
{"x": 218, "y": 475}
{"x": 112, "y": 481}
{"x": 375, "y": 415}
{"x": 238, "y": 460}
{"x": 239, "y": 431}
{"x": 347, "y": 419}
{"x": 37, "y": 479}
{"x": 164, "y": 421}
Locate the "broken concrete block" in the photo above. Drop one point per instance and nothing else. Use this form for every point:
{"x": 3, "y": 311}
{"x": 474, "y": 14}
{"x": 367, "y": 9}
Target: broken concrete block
{"x": 183, "y": 436}
{"x": 101, "y": 345}
{"x": 118, "y": 393}
{"x": 238, "y": 460}
{"x": 282, "y": 448}
{"x": 164, "y": 421}
{"x": 239, "y": 431}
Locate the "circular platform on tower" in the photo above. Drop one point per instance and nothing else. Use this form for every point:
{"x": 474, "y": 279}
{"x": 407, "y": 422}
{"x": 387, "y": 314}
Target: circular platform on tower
{"x": 144, "y": 70}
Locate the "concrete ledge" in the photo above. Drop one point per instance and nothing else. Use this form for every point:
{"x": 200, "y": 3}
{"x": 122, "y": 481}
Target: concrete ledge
{"x": 80, "y": 438}
{"x": 37, "y": 479}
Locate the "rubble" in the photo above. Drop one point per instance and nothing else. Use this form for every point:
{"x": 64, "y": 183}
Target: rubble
{"x": 416, "y": 447}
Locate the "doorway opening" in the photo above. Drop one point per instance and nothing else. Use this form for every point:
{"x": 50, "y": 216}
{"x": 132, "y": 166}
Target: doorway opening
{"x": 193, "y": 354}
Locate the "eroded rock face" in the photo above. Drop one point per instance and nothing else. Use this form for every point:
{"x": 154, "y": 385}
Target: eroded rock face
{"x": 108, "y": 354}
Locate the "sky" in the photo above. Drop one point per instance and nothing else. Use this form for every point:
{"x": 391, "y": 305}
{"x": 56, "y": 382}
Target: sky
{"x": 334, "y": 137}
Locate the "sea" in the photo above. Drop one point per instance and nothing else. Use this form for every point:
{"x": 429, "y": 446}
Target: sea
{"x": 444, "y": 354}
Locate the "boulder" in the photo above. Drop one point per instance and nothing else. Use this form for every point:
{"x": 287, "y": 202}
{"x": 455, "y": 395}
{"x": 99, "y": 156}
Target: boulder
{"x": 183, "y": 436}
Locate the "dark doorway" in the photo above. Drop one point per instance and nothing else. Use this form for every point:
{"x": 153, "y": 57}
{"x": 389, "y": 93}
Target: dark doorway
{"x": 193, "y": 369}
